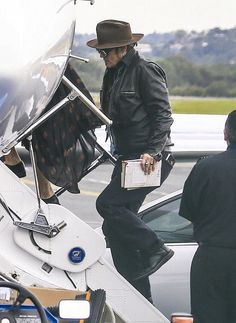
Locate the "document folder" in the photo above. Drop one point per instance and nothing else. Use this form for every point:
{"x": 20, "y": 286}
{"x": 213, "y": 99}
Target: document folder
{"x": 132, "y": 175}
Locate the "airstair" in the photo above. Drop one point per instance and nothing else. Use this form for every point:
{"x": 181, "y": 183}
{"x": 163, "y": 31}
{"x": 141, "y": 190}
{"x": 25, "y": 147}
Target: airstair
{"x": 43, "y": 259}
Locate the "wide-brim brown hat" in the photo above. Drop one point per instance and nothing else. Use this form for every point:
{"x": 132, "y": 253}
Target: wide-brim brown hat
{"x": 113, "y": 33}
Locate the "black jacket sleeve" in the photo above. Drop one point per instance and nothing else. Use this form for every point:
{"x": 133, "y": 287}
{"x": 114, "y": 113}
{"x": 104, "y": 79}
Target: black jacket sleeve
{"x": 154, "y": 91}
{"x": 187, "y": 204}
{"x": 194, "y": 192}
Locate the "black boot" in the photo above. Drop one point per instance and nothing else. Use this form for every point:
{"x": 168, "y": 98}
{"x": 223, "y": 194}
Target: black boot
{"x": 52, "y": 200}
{"x": 152, "y": 261}
{"x": 18, "y": 169}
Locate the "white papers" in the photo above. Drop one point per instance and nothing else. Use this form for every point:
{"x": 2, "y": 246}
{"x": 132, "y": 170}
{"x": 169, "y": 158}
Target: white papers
{"x": 132, "y": 175}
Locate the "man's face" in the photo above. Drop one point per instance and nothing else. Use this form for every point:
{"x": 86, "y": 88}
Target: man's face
{"x": 111, "y": 56}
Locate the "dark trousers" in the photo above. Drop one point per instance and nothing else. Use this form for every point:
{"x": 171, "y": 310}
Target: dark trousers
{"x": 213, "y": 285}
{"x": 127, "y": 234}
{"x": 126, "y": 262}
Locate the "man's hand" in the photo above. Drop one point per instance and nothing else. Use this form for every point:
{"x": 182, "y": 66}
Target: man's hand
{"x": 147, "y": 163}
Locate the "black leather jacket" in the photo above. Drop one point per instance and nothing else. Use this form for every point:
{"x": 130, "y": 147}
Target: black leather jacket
{"x": 135, "y": 96}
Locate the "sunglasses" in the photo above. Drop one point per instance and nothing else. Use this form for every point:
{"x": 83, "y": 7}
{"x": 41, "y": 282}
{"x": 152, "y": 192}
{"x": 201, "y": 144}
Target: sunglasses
{"x": 104, "y": 52}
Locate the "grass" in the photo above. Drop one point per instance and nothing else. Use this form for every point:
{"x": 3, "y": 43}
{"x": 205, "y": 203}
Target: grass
{"x": 202, "y": 105}
{"x": 196, "y": 105}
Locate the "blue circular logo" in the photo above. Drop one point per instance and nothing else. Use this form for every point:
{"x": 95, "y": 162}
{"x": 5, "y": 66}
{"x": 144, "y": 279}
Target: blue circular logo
{"x": 76, "y": 255}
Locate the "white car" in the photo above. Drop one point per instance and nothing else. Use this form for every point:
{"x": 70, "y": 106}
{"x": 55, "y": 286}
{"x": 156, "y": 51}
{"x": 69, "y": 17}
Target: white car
{"x": 170, "y": 284}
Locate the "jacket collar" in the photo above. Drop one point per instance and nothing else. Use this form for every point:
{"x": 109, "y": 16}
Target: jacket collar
{"x": 128, "y": 58}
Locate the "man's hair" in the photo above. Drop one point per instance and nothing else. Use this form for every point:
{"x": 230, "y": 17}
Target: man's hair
{"x": 129, "y": 47}
{"x": 230, "y": 127}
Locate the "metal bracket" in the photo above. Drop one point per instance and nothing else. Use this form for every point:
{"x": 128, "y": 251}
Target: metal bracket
{"x": 86, "y": 60}
{"x": 72, "y": 95}
{"x": 91, "y": 1}
{"x": 48, "y": 230}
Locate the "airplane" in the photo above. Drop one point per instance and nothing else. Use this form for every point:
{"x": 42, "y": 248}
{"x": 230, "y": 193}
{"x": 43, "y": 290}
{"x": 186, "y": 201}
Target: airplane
{"x": 46, "y": 245}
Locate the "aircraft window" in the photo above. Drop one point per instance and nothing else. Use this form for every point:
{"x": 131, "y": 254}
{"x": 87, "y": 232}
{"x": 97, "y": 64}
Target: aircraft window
{"x": 167, "y": 224}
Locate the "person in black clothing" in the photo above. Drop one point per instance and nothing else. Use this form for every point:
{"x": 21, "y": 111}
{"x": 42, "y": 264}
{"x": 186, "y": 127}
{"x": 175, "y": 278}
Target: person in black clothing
{"x": 209, "y": 201}
{"x": 135, "y": 96}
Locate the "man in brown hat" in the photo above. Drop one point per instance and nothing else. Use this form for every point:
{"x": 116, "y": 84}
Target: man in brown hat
{"x": 135, "y": 96}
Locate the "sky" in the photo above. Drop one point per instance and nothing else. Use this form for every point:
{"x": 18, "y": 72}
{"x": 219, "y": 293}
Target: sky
{"x": 147, "y": 16}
